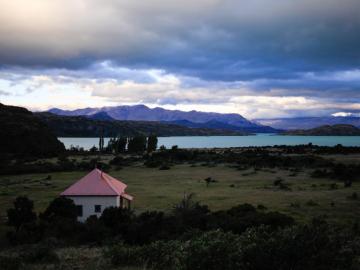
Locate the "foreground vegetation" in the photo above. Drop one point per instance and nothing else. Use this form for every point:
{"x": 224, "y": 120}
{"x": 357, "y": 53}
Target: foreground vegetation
{"x": 315, "y": 246}
{"x": 253, "y": 208}
{"x": 188, "y": 237}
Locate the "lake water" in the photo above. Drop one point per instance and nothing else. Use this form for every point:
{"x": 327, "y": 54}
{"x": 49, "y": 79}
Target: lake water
{"x": 230, "y": 141}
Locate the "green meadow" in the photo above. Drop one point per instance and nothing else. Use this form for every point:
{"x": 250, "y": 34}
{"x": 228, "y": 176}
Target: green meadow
{"x": 156, "y": 189}
{"x": 303, "y": 197}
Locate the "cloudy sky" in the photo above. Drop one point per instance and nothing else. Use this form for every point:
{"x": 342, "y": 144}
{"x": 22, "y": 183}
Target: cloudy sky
{"x": 259, "y": 58}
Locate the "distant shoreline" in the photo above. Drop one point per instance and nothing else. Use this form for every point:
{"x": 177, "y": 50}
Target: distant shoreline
{"x": 257, "y": 140}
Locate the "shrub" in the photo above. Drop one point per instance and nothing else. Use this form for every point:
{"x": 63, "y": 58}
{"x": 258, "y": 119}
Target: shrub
{"x": 278, "y": 181}
{"x": 29, "y": 233}
{"x": 190, "y": 214}
{"x": 151, "y": 163}
{"x": 164, "y": 166}
{"x": 311, "y": 203}
{"x": 93, "y": 231}
{"x": 353, "y": 196}
{"x": 212, "y": 251}
{"x": 9, "y": 263}
{"x": 295, "y": 205}
{"x": 60, "y": 208}
{"x": 159, "y": 255}
{"x": 319, "y": 173}
{"x": 149, "y": 226}
{"x": 118, "y": 221}
{"x": 348, "y": 183}
{"x": 118, "y": 160}
{"x": 239, "y": 218}
{"x": 261, "y": 207}
{"x": 315, "y": 246}
{"x": 60, "y": 219}
{"x": 122, "y": 255}
{"x": 162, "y": 255}
{"x": 41, "y": 253}
{"x": 22, "y": 213}
{"x": 284, "y": 186}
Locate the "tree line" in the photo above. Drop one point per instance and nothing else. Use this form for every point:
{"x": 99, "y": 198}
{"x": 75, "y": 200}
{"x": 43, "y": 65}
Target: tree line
{"x": 122, "y": 144}
{"x": 59, "y": 220}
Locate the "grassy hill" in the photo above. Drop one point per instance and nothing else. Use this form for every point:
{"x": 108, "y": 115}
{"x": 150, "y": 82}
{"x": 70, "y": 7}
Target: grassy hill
{"x": 22, "y": 133}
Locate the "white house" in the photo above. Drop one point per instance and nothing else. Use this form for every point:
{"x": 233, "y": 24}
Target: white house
{"x": 95, "y": 192}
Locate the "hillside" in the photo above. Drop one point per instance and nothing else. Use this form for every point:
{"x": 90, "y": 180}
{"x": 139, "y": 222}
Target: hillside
{"x": 144, "y": 113}
{"x": 309, "y": 122}
{"x": 213, "y": 124}
{"x": 23, "y": 133}
{"x": 327, "y": 130}
{"x": 81, "y": 126}
{"x": 100, "y": 116}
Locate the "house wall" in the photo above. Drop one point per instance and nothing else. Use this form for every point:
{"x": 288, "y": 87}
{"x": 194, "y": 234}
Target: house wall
{"x": 88, "y": 204}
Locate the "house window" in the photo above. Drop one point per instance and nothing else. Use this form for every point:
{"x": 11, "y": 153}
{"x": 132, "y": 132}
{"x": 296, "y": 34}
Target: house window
{"x": 79, "y": 210}
{"x": 97, "y": 208}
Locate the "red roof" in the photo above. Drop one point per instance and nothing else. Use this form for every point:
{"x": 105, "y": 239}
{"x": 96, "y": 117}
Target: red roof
{"x": 97, "y": 183}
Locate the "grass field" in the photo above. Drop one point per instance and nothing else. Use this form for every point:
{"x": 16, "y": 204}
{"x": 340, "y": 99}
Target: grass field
{"x": 156, "y": 189}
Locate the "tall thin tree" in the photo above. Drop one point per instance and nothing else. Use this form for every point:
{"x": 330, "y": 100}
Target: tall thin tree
{"x": 152, "y": 143}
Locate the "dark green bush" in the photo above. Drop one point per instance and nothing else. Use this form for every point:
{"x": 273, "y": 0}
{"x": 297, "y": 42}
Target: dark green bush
{"x": 212, "y": 251}
{"x": 312, "y": 247}
{"x": 123, "y": 255}
{"x": 9, "y": 263}
{"x": 40, "y": 253}
{"x": 60, "y": 208}
{"x": 164, "y": 166}
{"x": 311, "y": 203}
{"x": 162, "y": 255}
{"x": 118, "y": 160}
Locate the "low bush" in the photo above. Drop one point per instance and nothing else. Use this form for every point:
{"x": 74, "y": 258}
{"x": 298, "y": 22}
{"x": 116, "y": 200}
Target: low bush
{"x": 123, "y": 255}
{"x": 212, "y": 251}
{"x": 311, "y": 203}
{"x": 315, "y": 247}
{"x": 41, "y": 253}
{"x": 311, "y": 247}
{"x": 9, "y": 263}
{"x": 353, "y": 196}
{"x": 164, "y": 166}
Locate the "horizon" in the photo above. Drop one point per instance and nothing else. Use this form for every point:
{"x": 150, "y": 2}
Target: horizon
{"x": 337, "y": 115}
{"x": 281, "y": 60}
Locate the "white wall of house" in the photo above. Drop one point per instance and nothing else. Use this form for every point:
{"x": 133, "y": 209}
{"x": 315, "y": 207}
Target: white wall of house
{"x": 88, "y": 204}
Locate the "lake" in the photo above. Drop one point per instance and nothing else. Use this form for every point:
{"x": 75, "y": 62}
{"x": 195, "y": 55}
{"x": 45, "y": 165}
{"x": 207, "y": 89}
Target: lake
{"x": 230, "y": 141}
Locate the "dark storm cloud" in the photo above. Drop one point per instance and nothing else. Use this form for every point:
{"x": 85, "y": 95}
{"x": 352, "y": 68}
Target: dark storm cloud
{"x": 213, "y": 40}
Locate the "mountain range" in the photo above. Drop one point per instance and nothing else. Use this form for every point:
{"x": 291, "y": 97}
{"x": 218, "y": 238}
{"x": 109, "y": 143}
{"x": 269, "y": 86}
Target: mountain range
{"x": 309, "y": 122}
{"x": 100, "y": 123}
{"x": 207, "y": 120}
{"x": 327, "y": 130}
{"x": 193, "y": 119}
